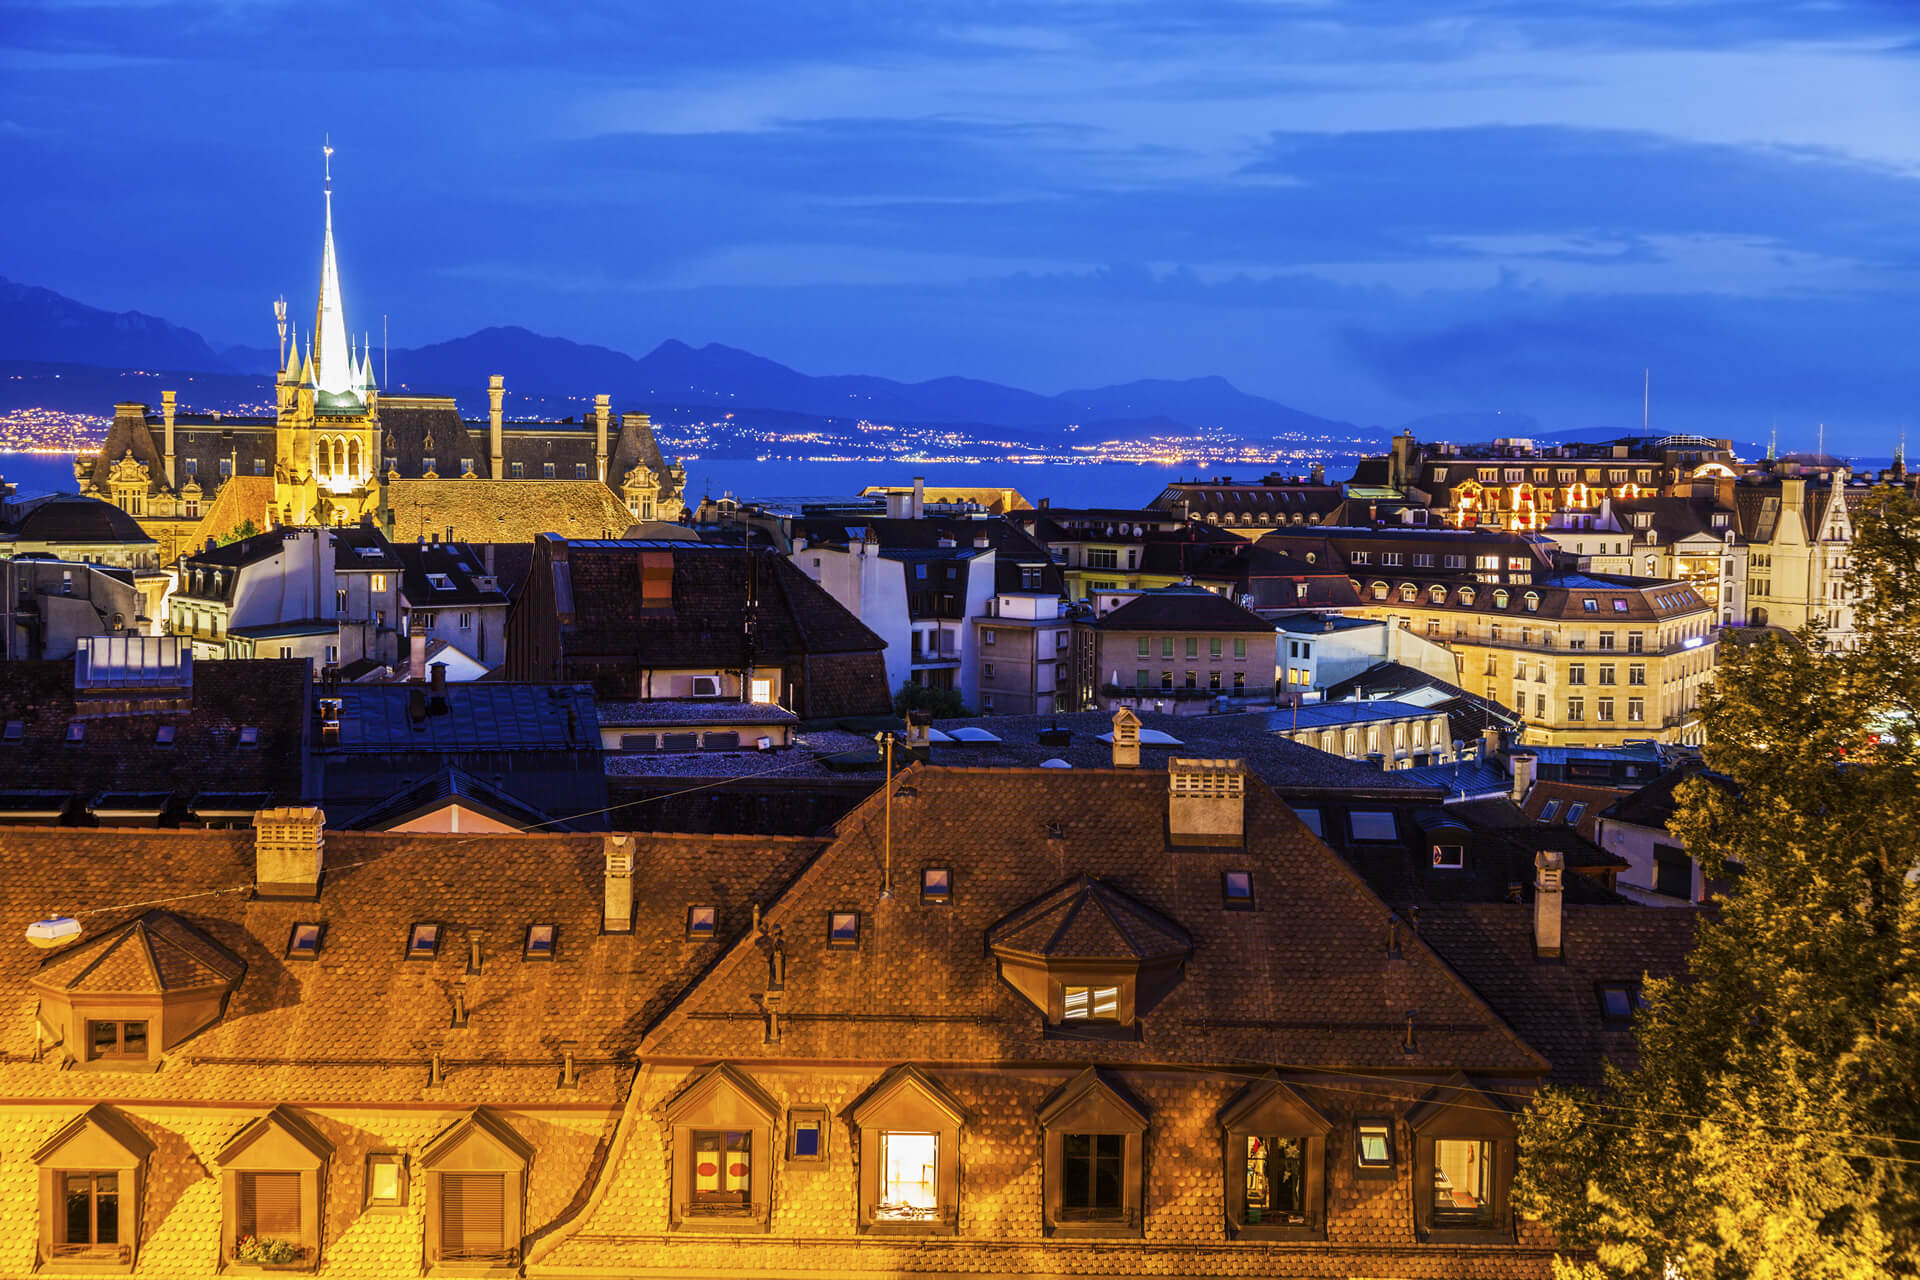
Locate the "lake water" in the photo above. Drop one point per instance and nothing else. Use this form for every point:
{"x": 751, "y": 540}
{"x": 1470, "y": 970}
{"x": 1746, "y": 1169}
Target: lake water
{"x": 1106, "y": 484}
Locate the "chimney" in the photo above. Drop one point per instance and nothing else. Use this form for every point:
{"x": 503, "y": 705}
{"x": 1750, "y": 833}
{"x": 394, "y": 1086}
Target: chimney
{"x": 1206, "y": 802}
{"x": 618, "y": 915}
{"x": 919, "y": 497}
{"x": 1521, "y": 763}
{"x": 496, "y": 404}
{"x": 1126, "y": 739}
{"x": 288, "y": 851}
{"x": 1489, "y": 743}
{"x": 1318, "y": 473}
{"x": 982, "y": 541}
{"x": 416, "y": 651}
{"x": 167, "y": 399}
{"x": 602, "y": 409}
{"x": 1548, "y": 894}
{"x": 439, "y": 680}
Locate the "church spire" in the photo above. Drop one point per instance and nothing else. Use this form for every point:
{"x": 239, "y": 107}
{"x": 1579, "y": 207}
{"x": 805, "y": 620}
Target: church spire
{"x": 333, "y": 363}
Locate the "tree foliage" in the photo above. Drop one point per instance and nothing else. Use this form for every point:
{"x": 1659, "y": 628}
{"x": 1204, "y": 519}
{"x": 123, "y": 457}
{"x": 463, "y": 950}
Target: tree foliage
{"x": 245, "y": 529}
{"x": 945, "y": 704}
{"x": 1772, "y": 1125}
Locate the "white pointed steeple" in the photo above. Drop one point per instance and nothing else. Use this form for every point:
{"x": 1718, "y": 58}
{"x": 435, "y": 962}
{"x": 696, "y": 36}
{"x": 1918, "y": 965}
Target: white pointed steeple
{"x": 292, "y": 371}
{"x": 333, "y": 364}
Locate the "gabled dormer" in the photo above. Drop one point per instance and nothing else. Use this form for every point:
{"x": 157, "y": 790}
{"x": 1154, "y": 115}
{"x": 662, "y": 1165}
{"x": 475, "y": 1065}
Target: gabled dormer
{"x": 272, "y": 1174}
{"x": 92, "y": 1174}
{"x": 721, "y": 1128}
{"x": 907, "y": 1135}
{"x": 1090, "y": 958}
{"x": 476, "y": 1172}
{"x": 1094, "y": 1138}
{"x": 121, "y": 1000}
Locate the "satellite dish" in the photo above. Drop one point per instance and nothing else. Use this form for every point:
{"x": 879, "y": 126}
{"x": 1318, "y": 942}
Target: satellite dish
{"x": 53, "y": 931}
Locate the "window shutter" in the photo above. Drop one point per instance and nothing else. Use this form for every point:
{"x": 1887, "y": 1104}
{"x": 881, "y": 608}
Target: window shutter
{"x": 472, "y": 1214}
{"x": 270, "y": 1205}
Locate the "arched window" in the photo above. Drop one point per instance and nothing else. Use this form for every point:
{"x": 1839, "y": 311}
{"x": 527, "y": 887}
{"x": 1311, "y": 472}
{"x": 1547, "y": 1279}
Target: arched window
{"x": 1466, "y": 595}
{"x": 1408, "y": 593}
{"x": 353, "y": 458}
{"x": 1379, "y": 591}
{"x": 1437, "y": 594}
{"x": 1500, "y": 599}
{"x": 1532, "y": 602}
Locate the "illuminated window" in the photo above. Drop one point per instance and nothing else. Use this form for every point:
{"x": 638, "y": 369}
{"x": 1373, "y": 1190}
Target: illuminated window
{"x": 1373, "y": 1144}
{"x": 386, "y": 1180}
{"x": 1091, "y": 1004}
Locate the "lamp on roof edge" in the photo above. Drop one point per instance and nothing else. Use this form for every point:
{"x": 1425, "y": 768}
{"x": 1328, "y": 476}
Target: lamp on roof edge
{"x": 53, "y": 931}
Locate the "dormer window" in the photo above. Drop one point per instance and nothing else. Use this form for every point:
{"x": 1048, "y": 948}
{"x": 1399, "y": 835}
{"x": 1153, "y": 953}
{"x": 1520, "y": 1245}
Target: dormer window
{"x": 304, "y": 942}
{"x": 539, "y": 942}
{"x": 1090, "y": 1004}
{"x": 423, "y": 941}
{"x": 1532, "y": 602}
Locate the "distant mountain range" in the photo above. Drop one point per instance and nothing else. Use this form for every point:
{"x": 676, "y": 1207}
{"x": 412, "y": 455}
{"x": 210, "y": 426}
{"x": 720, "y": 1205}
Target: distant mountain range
{"x": 40, "y": 326}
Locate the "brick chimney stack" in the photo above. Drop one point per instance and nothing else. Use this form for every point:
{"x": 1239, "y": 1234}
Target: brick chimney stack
{"x": 289, "y": 851}
{"x": 618, "y": 914}
{"x": 1549, "y": 894}
{"x": 1206, "y": 802}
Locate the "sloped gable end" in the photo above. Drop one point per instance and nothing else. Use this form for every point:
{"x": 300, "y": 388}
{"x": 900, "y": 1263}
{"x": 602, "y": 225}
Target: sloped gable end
{"x": 1090, "y": 1103}
{"x": 99, "y": 1138}
{"x": 479, "y": 1142}
{"x": 1457, "y": 1106}
{"x": 899, "y": 1098}
{"x": 1271, "y": 1105}
{"x": 279, "y": 1141}
{"x": 721, "y": 1096}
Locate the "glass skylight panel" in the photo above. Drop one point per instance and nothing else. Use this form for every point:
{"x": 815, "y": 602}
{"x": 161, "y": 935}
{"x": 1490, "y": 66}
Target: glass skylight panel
{"x": 1373, "y": 825}
{"x": 304, "y": 942}
{"x": 423, "y": 940}
{"x": 702, "y": 921}
{"x": 1237, "y": 888}
{"x": 843, "y": 928}
{"x": 540, "y": 940}
{"x": 936, "y": 885}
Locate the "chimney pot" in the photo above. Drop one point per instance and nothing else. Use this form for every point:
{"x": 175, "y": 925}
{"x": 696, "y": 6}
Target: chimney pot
{"x": 1522, "y": 764}
{"x": 289, "y": 850}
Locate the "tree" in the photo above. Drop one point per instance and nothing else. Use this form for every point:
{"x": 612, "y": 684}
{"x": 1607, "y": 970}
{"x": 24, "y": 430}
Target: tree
{"x": 245, "y": 529}
{"x": 945, "y": 704}
{"x": 1772, "y": 1124}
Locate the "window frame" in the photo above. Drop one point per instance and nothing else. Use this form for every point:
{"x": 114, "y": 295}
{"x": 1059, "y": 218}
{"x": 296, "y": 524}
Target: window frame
{"x": 1246, "y": 901}
{"x": 1090, "y": 1106}
{"x": 835, "y": 940}
{"x": 398, "y": 1202}
{"x": 936, "y": 897}
{"x": 1363, "y": 1165}
{"x": 721, "y": 1099}
{"x": 529, "y": 952}
{"x": 703, "y": 921}
{"x": 412, "y": 950}
{"x": 295, "y": 951}
{"x": 1459, "y": 1112}
{"x": 819, "y": 1119}
{"x": 1270, "y": 1108}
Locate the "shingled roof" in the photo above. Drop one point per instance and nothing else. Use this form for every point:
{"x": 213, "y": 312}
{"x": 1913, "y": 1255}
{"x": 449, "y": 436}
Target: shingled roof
{"x": 1182, "y": 609}
{"x": 1306, "y": 978}
{"x": 79, "y": 520}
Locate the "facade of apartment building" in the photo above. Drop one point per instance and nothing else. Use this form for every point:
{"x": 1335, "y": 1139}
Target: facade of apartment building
{"x": 1588, "y": 660}
{"x": 1181, "y": 646}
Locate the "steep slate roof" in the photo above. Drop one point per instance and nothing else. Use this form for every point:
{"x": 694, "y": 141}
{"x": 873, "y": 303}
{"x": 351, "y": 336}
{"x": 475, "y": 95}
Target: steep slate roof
{"x": 1468, "y": 714}
{"x": 119, "y": 750}
{"x": 504, "y": 510}
{"x": 459, "y": 563}
{"x": 794, "y": 616}
{"x": 156, "y": 953}
{"x": 1304, "y": 979}
{"x": 1183, "y": 609}
{"x": 1086, "y": 918}
{"x": 1570, "y": 794}
{"x": 77, "y": 519}
{"x": 451, "y": 782}
{"x": 474, "y": 716}
{"x": 1556, "y": 1006}
{"x": 1653, "y": 805}
{"x": 355, "y": 1025}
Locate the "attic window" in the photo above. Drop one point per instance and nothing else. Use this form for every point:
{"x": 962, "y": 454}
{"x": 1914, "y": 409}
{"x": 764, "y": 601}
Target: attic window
{"x": 1373, "y": 1145}
{"x": 304, "y": 942}
{"x": 163, "y": 736}
{"x": 76, "y": 731}
{"x": 843, "y": 929}
{"x": 1236, "y": 890}
{"x": 1619, "y": 604}
{"x": 1372, "y": 825}
{"x": 539, "y": 943}
{"x": 440, "y": 582}
{"x": 1090, "y": 1004}
{"x": 13, "y": 731}
{"x": 1590, "y": 605}
{"x": 423, "y": 941}
{"x": 1575, "y": 812}
{"x": 701, "y": 921}
{"x": 1311, "y": 817}
{"x": 1548, "y": 810}
{"x": 1619, "y": 1001}
{"x": 249, "y": 736}
{"x": 936, "y": 885}
{"x": 1449, "y": 857}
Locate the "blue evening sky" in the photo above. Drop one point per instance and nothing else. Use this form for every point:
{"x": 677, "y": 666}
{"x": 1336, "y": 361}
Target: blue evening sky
{"x": 1370, "y": 209}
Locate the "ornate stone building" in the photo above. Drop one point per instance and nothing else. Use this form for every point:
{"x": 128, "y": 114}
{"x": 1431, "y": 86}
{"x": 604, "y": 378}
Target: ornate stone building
{"x": 336, "y": 449}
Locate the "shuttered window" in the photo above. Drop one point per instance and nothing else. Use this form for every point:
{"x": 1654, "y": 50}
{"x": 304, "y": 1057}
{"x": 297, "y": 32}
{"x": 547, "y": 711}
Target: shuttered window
{"x": 270, "y": 1205}
{"x": 472, "y": 1215}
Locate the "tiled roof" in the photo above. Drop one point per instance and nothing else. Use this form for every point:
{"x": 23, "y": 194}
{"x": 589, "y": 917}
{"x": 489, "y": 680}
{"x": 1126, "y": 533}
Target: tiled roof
{"x": 476, "y": 716}
{"x": 703, "y": 627}
{"x": 1569, "y": 794}
{"x": 239, "y": 501}
{"x": 454, "y": 783}
{"x": 1087, "y": 919}
{"x": 1182, "y": 609}
{"x": 505, "y": 510}
{"x": 1468, "y": 714}
{"x": 1653, "y": 805}
{"x": 459, "y": 566}
{"x": 1306, "y": 978}
{"x": 119, "y": 748}
{"x": 1293, "y": 770}
{"x": 1555, "y": 1005}
{"x": 356, "y": 1024}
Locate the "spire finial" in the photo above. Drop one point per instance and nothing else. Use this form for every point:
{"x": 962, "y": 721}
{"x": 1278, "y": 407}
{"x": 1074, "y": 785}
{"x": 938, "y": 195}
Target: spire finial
{"x": 326, "y": 154}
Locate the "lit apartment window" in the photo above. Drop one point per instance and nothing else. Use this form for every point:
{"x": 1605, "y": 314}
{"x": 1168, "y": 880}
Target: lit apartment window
{"x": 1090, "y": 1004}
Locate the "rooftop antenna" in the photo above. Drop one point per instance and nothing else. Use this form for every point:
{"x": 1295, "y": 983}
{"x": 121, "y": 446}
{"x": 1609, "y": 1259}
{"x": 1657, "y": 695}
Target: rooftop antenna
{"x": 1820, "y": 446}
{"x": 885, "y": 739}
